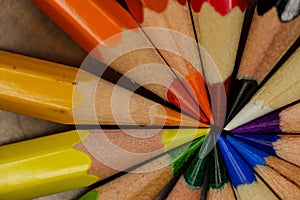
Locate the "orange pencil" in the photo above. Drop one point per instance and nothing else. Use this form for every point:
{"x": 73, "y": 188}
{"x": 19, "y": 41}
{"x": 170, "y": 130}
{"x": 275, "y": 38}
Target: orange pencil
{"x": 168, "y": 24}
{"x": 109, "y": 33}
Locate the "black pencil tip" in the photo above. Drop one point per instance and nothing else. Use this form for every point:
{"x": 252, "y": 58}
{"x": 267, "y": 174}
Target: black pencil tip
{"x": 241, "y": 92}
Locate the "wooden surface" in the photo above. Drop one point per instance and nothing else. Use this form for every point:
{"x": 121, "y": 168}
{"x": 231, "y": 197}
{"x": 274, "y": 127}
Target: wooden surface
{"x": 26, "y": 30}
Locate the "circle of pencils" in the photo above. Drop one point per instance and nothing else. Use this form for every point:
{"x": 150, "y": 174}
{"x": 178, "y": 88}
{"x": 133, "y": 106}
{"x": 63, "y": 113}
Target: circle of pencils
{"x": 150, "y": 99}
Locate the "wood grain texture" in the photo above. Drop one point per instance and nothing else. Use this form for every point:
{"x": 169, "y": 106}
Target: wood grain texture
{"x": 26, "y": 30}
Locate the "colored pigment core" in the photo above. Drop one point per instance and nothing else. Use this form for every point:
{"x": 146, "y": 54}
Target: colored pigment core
{"x": 239, "y": 171}
{"x": 178, "y": 157}
{"x": 184, "y": 101}
{"x": 222, "y": 7}
{"x": 287, "y": 9}
{"x": 195, "y": 83}
{"x": 173, "y": 138}
{"x": 252, "y": 155}
{"x": 92, "y": 195}
{"x": 218, "y": 173}
{"x": 194, "y": 174}
{"x": 263, "y": 142}
{"x": 266, "y": 124}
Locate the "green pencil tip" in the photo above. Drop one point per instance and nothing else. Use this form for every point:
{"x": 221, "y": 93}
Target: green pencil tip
{"x": 92, "y": 195}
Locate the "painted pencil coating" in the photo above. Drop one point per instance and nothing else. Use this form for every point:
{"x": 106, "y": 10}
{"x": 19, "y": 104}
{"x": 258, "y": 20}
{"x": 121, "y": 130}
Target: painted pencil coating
{"x": 77, "y": 19}
{"x": 66, "y": 95}
{"x": 38, "y": 166}
{"x": 256, "y": 158}
{"x": 213, "y": 31}
{"x": 222, "y": 7}
{"x": 118, "y": 32}
{"x": 218, "y": 26}
{"x": 30, "y": 86}
{"x": 79, "y": 158}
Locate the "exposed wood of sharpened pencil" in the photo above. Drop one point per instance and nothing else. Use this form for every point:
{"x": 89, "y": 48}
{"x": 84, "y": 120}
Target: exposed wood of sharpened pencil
{"x": 246, "y": 184}
{"x": 79, "y": 158}
{"x": 67, "y": 95}
{"x": 256, "y": 158}
{"x": 284, "y": 146}
{"x": 143, "y": 182}
{"x": 281, "y": 89}
{"x": 275, "y": 27}
{"x": 171, "y": 33}
{"x": 192, "y": 184}
{"x": 219, "y": 184}
{"x": 283, "y": 120}
{"x": 117, "y": 42}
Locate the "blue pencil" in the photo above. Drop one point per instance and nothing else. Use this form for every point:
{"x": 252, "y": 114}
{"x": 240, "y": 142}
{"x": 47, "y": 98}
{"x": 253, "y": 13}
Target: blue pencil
{"x": 284, "y": 188}
{"x": 245, "y": 183}
{"x": 284, "y": 146}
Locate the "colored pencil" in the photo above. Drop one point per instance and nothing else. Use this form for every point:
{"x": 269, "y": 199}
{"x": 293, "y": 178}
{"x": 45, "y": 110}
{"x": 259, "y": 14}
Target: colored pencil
{"x": 218, "y": 25}
{"x": 283, "y": 146}
{"x": 219, "y": 182}
{"x": 281, "y": 89}
{"x": 189, "y": 184}
{"x": 195, "y": 176}
{"x": 147, "y": 181}
{"x": 287, "y": 169}
{"x": 275, "y": 27}
{"x": 77, "y": 159}
{"x": 114, "y": 42}
{"x": 174, "y": 37}
{"x": 257, "y": 159}
{"x": 245, "y": 183}
{"x": 280, "y": 121}
{"x": 65, "y": 94}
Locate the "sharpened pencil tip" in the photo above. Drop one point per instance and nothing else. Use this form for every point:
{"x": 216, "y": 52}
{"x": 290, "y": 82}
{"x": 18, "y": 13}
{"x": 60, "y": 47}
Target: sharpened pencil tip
{"x": 91, "y": 195}
{"x": 242, "y": 91}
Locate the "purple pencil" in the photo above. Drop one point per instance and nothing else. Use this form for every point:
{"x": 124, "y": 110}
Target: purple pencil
{"x": 282, "y": 121}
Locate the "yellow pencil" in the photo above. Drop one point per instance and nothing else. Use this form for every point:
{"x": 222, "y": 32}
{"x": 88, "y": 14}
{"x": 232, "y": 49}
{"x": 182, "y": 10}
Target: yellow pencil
{"x": 78, "y": 159}
{"x": 67, "y": 95}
